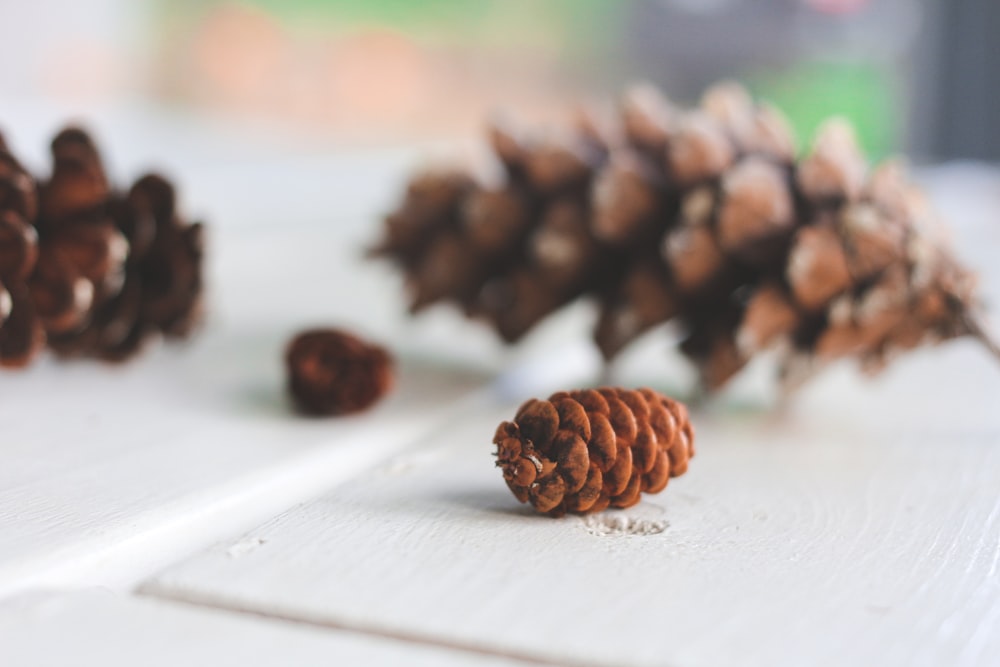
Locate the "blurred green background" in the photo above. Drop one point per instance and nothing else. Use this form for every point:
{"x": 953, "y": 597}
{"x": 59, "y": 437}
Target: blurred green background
{"x": 913, "y": 75}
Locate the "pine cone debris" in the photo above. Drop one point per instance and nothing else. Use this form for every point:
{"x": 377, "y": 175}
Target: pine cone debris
{"x": 87, "y": 270}
{"x": 583, "y": 451}
{"x": 704, "y": 218}
{"x": 332, "y": 372}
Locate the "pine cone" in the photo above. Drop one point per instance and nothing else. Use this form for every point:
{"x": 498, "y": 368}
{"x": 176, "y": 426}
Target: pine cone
{"x": 331, "y": 372}
{"x": 583, "y": 451}
{"x": 706, "y": 219}
{"x": 98, "y": 273}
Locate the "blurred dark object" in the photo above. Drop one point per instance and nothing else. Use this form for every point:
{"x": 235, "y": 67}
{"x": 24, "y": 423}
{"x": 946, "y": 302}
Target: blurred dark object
{"x": 333, "y": 372}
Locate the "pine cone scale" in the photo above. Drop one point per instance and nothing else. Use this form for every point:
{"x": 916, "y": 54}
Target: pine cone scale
{"x": 18, "y": 246}
{"x": 21, "y": 336}
{"x": 602, "y": 447}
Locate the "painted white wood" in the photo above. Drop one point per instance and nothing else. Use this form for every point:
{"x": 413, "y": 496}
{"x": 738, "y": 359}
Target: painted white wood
{"x": 860, "y": 526}
{"x": 106, "y": 471}
{"x": 99, "y": 629}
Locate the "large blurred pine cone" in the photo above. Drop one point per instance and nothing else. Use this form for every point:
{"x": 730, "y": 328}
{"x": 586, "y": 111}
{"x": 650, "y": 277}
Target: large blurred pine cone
{"x": 704, "y": 218}
{"x": 86, "y": 269}
{"x": 583, "y": 451}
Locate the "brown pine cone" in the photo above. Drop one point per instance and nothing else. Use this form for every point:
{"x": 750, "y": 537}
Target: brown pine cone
{"x": 583, "y": 451}
{"x": 332, "y": 372}
{"x": 88, "y": 270}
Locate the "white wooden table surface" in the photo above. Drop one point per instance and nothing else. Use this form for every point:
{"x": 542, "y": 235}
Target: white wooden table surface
{"x": 173, "y": 511}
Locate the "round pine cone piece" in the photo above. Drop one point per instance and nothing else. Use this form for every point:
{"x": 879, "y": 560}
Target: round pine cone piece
{"x": 583, "y": 451}
{"x": 332, "y": 372}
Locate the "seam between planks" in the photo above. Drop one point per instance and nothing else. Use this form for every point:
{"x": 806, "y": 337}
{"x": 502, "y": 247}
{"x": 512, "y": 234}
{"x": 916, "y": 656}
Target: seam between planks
{"x": 140, "y": 556}
{"x": 369, "y": 630}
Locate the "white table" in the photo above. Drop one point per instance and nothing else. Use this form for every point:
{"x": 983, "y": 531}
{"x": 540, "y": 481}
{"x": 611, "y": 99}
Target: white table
{"x": 173, "y": 511}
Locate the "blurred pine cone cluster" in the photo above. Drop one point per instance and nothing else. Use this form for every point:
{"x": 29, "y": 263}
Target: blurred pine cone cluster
{"x": 708, "y": 218}
{"x": 88, "y": 270}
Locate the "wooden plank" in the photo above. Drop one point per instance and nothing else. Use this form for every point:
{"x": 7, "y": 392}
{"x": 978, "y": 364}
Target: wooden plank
{"x": 107, "y": 471}
{"x": 862, "y": 526}
{"x": 99, "y": 629}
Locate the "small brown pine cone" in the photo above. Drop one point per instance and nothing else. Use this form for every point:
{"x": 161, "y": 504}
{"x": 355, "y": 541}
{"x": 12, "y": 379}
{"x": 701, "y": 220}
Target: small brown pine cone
{"x": 332, "y": 372}
{"x": 583, "y": 451}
